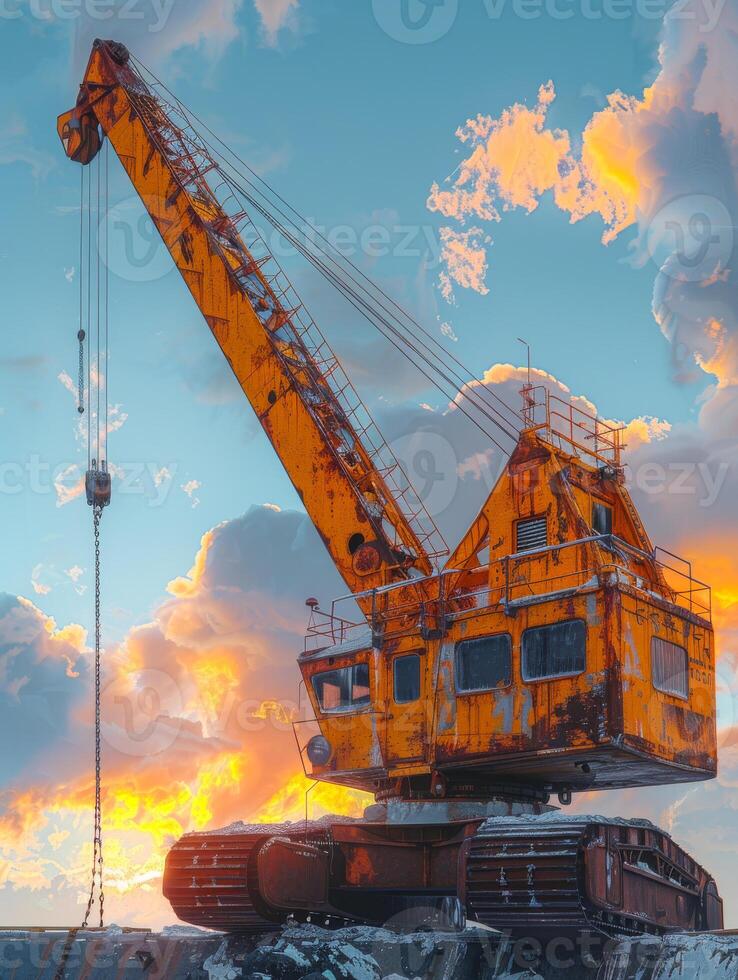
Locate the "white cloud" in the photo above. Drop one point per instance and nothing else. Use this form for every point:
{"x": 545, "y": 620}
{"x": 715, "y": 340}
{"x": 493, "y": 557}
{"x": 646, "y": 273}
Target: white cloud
{"x": 67, "y": 383}
{"x": 165, "y": 28}
{"x": 448, "y": 331}
{"x": 277, "y": 15}
{"x": 164, "y": 475}
{"x": 75, "y": 574}
{"x": 117, "y": 418}
{"x": 191, "y": 488}
{"x": 69, "y": 485}
{"x": 39, "y": 586}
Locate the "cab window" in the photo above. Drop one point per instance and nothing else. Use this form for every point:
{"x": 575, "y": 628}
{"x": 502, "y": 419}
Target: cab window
{"x": 601, "y": 518}
{"x": 484, "y": 663}
{"x": 406, "y": 679}
{"x": 554, "y": 651}
{"x": 343, "y": 689}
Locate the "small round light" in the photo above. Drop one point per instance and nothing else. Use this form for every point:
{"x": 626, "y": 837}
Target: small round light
{"x": 319, "y": 750}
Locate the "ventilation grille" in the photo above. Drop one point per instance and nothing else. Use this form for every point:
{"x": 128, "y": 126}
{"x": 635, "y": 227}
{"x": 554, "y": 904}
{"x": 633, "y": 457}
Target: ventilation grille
{"x": 670, "y": 667}
{"x": 532, "y": 534}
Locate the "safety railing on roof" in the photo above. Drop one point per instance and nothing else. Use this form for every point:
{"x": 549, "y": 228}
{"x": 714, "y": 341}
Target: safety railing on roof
{"x": 327, "y": 628}
{"x": 509, "y": 583}
{"x": 582, "y": 431}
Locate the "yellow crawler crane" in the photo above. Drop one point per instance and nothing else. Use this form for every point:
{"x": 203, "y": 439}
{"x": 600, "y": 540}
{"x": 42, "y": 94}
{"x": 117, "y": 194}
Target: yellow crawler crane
{"x": 555, "y": 651}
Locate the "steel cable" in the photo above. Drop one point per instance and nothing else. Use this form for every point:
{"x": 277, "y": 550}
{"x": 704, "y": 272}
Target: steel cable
{"x": 95, "y": 446}
{"x": 459, "y": 382}
{"x": 364, "y": 307}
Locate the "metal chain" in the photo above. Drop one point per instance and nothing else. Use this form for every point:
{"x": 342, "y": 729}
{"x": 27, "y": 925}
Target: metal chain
{"x": 97, "y": 515}
{"x": 97, "y": 846}
{"x": 65, "y": 954}
{"x": 81, "y": 377}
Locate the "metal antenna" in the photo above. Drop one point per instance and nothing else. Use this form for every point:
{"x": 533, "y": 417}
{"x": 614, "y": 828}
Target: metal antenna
{"x": 527, "y": 347}
{"x": 528, "y": 401}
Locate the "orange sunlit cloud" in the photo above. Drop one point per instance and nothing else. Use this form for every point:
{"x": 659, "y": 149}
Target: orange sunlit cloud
{"x": 197, "y": 711}
{"x": 517, "y": 158}
{"x": 299, "y": 795}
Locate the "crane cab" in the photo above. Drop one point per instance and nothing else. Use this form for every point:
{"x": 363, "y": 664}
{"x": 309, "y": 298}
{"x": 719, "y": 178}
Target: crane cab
{"x": 559, "y": 651}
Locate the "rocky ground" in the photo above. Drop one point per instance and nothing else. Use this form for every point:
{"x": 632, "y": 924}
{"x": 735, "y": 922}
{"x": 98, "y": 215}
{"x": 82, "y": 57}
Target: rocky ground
{"x": 309, "y": 953}
{"x": 358, "y": 953}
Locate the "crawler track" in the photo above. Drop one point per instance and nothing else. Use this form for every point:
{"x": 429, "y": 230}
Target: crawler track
{"x": 528, "y": 876}
{"x": 520, "y": 879}
{"x": 210, "y": 881}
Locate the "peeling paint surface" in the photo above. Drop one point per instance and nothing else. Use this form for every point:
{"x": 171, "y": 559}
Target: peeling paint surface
{"x": 606, "y": 725}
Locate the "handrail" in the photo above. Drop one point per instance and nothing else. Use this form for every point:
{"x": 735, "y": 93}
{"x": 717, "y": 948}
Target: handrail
{"x": 606, "y": 438}
{"x": 329, "y": 625}
{"x": 683, "y": 594}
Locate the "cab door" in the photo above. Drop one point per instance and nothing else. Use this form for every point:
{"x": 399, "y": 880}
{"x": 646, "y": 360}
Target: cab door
{"x": 406, "y": 726}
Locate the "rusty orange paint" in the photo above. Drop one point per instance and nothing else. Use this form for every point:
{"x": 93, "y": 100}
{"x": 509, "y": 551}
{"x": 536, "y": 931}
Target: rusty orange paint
{"x": 606, "y": 726}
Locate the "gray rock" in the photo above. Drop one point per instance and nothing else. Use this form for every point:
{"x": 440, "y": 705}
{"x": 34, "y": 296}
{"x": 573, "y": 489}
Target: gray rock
{"x": 312, "y": 953}
{"x": 700, "y": 956}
